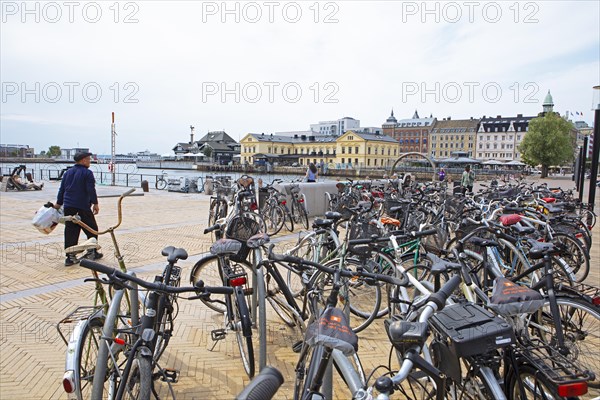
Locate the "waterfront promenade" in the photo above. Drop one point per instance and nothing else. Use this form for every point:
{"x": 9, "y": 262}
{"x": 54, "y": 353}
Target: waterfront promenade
{"x": 36, "y": 291}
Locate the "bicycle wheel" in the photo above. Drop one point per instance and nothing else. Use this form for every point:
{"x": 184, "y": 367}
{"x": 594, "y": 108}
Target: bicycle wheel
{"x": 306, "y": 251}
{"x": 288, "y": 221}
{"x": 303, "y": 215}
{"x": 139, "y": 382}
{"x": 89, "y": 341}
{"x": 209, "y": 271}
{"x": 536, "y": 385}
{"x": 588, "y": 217}
{"x": 161, "y": 184}
{"x": 364, "y": 297}
{"x": 274, "y": 218}
{"x": 242, "y": 326}
{"x": 574, "y": 255}
{"x": 580, "y": 322}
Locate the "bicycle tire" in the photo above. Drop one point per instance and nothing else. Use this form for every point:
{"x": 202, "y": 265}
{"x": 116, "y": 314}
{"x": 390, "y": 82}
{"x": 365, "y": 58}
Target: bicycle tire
{"x": 139, "y": 381}
{"x": 574, "y": 255}
{"x": 208, "y": 270}
{"x": 274, "y": 218}
{"x": 580, "y": 323}
{"x": 242, "y": 326}
{"x": 259, "y": 317}
{"x": 364, "y": 299}
{"x": 89, "y": 342}
{"x": 303, "y": 215}
{"x": 288, "y": 221}
{"x": 161, "y": 184}
{"x": 535, "y": 384}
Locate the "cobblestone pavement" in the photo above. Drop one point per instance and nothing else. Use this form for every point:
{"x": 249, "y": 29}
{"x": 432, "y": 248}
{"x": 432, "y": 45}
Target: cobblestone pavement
{"x": 36, "y": 291}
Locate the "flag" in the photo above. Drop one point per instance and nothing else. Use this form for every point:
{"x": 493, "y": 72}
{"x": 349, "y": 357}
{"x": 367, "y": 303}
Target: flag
{"x": 577, "y": 112}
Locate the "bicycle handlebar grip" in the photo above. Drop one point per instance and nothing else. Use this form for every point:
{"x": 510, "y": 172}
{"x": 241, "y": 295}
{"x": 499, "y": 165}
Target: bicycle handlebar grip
{"x": 97, "y": 267}
{"x": 440, "y": 297}
{"x": 263, "y": 386}
{"x": 212, "y": 228}
{"x": 218, "y": 289}
{"x": 427, "y": 232}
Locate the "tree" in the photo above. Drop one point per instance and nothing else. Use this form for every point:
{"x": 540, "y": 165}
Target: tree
{"x": 207, "y": 151}
{"x": 54, "y": 151}
{"x": 548, "y": 142}
{"x": 43, "y": 153}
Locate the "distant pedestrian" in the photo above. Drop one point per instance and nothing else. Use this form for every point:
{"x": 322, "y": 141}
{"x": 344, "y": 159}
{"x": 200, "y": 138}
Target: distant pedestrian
{"x": 442, "y": 175}
{"x": 77, "y": 194}
{"x": 467, "y": 180}
{"x": 312, "y": 173}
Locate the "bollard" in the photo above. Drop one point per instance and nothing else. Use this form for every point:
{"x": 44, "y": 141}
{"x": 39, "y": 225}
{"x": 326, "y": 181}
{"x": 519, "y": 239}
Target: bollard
{"x": 208, "y": 186}
{"x": 145, "y": 186}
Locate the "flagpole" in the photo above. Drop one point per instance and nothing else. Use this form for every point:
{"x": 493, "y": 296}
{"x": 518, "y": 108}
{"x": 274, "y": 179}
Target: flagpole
{"x": 112, "y": 150}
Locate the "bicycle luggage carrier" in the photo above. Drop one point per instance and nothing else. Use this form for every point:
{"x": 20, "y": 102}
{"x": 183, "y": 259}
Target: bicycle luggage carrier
{"x": 550, "y": 362}
{"x": 79, "y": 314}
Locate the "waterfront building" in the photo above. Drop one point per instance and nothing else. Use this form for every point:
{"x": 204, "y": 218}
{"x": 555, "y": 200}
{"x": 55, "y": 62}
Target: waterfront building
{"x": 411, "y": 134}
{"x": 16, "y": 150}
{"x": 216, "y": 147}
{"x": 68, "y": 154}
{"x": 450, "y": 136}
{"x": 498, "y": 138}
{"x": 350, "y": 150}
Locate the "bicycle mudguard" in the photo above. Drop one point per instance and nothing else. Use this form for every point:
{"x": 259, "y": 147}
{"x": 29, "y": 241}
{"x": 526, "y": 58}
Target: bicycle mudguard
{"x": 332, "y": 330}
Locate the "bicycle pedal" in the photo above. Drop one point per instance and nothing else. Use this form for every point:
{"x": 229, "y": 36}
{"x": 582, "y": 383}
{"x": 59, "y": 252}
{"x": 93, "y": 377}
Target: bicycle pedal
{"x": 170, "y": 375}
{"x": 297, "y": 347}
{"x": 218, "y": 334}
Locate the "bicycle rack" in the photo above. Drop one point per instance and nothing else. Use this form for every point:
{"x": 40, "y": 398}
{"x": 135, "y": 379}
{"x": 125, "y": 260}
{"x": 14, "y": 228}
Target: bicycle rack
{"x": 79, "y": 314}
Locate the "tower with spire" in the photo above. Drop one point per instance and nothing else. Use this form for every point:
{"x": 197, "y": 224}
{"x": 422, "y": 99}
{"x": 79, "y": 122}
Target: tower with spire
{"x": 391, "y": 119}
{"x": 548, "y": 105}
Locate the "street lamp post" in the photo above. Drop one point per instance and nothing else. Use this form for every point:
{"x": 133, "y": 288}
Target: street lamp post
{"x": 582, "y": 162}
{"x": 596, "y": 148}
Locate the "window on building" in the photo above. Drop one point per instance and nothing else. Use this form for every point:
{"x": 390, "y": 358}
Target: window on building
{"x": 375, "y": 162}
{"x": 356, "y": 150}
{"x": 343, "y": 160}
{"x": 343, "y": 150}
{"x": 349, "y": 150}
{"x": 368, "y": 162}
{"x": 356, "y": 161}
{"x": 368, "y": 150}
{"x": 289, "y": 150}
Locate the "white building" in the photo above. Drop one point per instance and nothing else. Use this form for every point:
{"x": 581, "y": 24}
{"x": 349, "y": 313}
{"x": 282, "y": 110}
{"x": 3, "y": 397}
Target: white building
{"x": 337, "y": 127}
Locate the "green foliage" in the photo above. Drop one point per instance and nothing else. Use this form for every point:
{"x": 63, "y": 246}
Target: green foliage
{"x": 548, "y": 142}
{"x": 54, "y": 151}
{"x": 207, "y": 151}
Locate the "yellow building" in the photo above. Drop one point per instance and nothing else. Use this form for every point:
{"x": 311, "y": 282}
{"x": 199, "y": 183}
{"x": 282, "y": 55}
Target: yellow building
{"x": 350, "y": 150}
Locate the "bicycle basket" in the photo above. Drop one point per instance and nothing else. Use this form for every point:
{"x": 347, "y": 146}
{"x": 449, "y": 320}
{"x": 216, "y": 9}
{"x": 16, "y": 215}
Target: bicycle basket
{"x": 363, "y": 230}
{"x": 435, "y": 243}
{"x": 242, "y": 228}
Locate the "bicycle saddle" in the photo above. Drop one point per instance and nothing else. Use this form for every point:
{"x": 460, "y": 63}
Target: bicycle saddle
{"x": 258, "y": 240}
{"x": 332, "y": 330}
{"x": 540, "y": 249}
{"x": 523, "y": 230}
{"x": 173, "y": 254}
{"x": 225, "y": 246}
{"x": 481, "y": 242}
{"x": 513, "y": 209}
{"x": 333, "y": 215}
{"x": 322, "y": 223}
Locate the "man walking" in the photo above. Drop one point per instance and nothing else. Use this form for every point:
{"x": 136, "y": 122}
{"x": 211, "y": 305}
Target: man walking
{"x": 77, "y": 193}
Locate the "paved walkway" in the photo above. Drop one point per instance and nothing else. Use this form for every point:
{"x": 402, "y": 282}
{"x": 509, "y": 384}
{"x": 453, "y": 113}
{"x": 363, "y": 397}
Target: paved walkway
{"x": 36, "y": 291}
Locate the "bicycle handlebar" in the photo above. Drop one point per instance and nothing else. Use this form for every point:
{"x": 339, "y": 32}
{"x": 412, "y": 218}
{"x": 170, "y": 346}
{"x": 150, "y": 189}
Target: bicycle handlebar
{"x": 156, "y": 287}
{"x": 76, "y": 219}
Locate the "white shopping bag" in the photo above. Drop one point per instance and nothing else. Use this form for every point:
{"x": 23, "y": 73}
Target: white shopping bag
{"x": 46, "y": 218}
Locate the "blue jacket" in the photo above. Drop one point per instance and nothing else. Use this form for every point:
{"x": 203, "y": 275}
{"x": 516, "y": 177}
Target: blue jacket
{"x": 77, "y": 188}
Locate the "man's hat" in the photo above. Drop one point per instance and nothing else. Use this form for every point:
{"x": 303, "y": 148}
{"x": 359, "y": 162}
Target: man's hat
{"x": 81, "y": 155}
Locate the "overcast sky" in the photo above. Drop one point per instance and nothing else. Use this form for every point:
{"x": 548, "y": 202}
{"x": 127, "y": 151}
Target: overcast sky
{"x": 280, "y": 66}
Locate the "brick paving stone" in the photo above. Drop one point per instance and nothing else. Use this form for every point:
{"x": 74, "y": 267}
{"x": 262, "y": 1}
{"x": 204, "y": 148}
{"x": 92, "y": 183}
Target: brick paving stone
{"x": 31, "y": 352}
